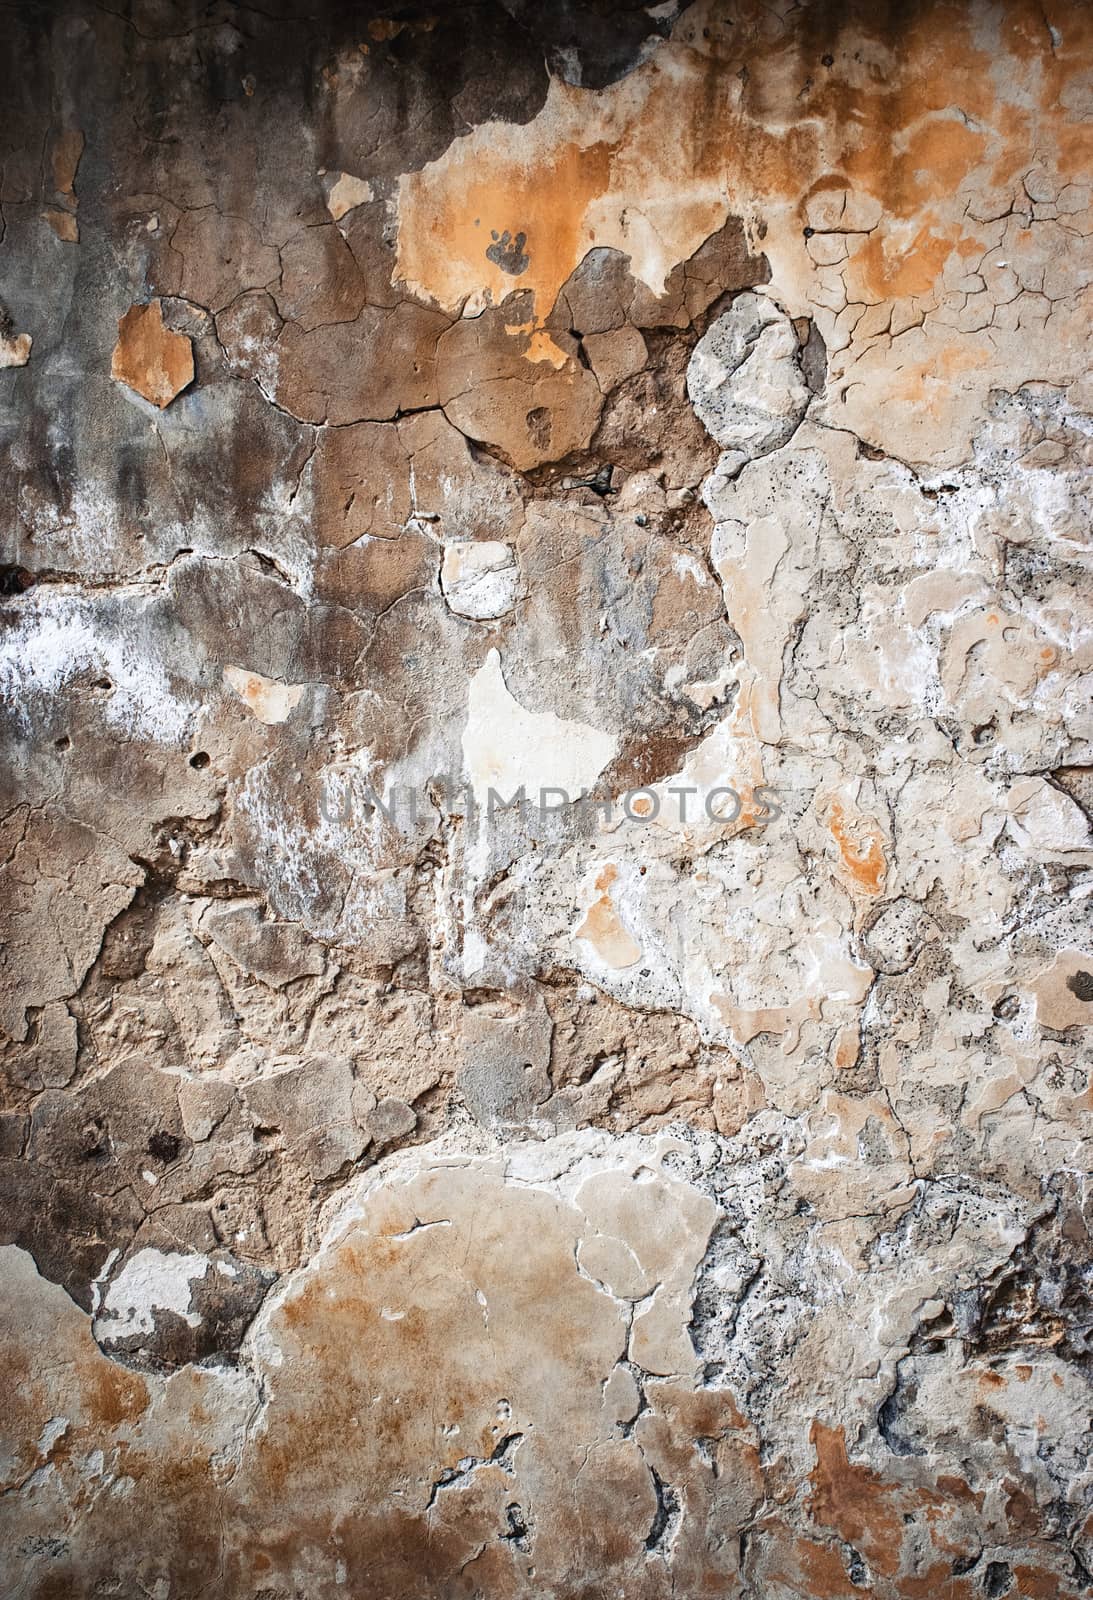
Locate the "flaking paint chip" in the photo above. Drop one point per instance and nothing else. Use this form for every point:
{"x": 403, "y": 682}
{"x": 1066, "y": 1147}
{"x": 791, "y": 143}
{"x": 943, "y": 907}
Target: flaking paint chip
{"x": 15, "y": 349}
{"x": 347, "y": 192}
{"x": 267, "y": 699}
{"x": 152, "y": 360}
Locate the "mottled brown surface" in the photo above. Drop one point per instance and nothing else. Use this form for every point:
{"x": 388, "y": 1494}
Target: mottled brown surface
{"x": 484, "y": 1201}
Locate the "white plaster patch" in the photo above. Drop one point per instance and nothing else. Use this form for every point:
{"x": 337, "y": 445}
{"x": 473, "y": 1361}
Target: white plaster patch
{"x": 150, "y": 1281}
{"x": 265, "y": 698}
{"x": 345, "y": 193}
{"x": 506, "y": 746}
{"x": 479, "y": 578}
{"x": 685, "y": 565}
{"x": 744, "y": 381}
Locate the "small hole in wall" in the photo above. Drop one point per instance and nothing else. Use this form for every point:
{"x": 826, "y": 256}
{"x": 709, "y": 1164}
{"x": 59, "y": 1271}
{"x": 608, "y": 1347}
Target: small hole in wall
{"x": 997, "y": 1579}
{"x": 199, "y": 759}
{"x": 63, "y": 743}
{"x": 15, "y": 580}
{"x": 164, "y": 1146}
{"x": 95, "y": 1141}
{"x": 104, "y": 684}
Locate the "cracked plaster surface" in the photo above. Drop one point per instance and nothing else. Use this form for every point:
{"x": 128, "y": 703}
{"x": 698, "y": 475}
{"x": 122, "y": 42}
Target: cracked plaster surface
{"x": 485, "y": 1199}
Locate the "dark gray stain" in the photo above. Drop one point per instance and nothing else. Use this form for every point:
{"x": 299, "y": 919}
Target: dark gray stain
{"x": 509, "y": 253}
{"x": 1081, "y": 984}
{"x": 591, "y": 43}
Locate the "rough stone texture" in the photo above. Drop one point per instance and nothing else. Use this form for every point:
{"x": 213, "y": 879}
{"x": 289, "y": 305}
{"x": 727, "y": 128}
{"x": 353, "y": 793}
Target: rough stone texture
{"x": 680, "y": 1190}
{"x": 745, "y": 381}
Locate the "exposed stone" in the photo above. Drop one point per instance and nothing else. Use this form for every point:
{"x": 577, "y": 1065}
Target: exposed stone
{"x": 275, "y": 953}
{"x": 390, "y": 1120}
{"x": 615, "y": 355}
{"x": 894, "y": 938}
{"x": 745, "y": 383}
{"x": 310, "y": 1108}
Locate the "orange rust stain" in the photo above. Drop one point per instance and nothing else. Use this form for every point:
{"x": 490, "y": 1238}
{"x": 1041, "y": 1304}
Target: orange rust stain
{"x": 936, "y": 1580}
{"x": 112, "y": 1394}
{"x": 888, "y": 267}
{"x": 149, "y": 358}
{"x": 928, "y": 381}
{"x": 1073, "y": 149}
{"x": 660, "y": 158}
{"x": 937, "y": 158}
{"x": 957, "y": 1489}
{"x": 470, "y": 204}
{"x": 1022, "y": 36}
{"x": 854, "y": 1501}
{"x": 711, "y": 1413}
{"x": 861, "y": 849}
{"x": 1036, "y": 1584}
{"x": 540, "y": 346}
{"x": 824, "y": 1569}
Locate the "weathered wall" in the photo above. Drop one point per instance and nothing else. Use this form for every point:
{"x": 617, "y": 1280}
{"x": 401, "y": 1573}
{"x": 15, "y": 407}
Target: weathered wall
{"x": 590, "y": 397}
